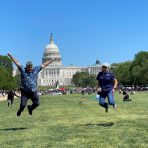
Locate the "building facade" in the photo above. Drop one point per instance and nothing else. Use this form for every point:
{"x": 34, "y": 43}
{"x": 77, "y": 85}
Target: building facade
{"x": 56, "y": 72}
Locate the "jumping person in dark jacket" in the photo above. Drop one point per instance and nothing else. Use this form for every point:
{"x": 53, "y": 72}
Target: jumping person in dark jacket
{"x": 29, "y": 75}
{"x": 107, "y": 83}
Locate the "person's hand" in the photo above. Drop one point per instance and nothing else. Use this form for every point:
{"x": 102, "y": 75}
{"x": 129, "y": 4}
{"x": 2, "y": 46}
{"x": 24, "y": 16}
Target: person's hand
{"x": 9, "y": 54}
{"x": 113, "y": 90}
{"x": 99, "y": 90}
{"x": 52, "y": 59}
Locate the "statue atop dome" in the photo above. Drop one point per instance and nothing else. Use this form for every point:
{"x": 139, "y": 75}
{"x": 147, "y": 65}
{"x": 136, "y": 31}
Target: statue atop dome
{"x": 51, "y": 38}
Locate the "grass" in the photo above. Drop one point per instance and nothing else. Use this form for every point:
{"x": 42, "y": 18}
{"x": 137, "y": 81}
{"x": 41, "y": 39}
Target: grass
{"x": 63, "y": 122}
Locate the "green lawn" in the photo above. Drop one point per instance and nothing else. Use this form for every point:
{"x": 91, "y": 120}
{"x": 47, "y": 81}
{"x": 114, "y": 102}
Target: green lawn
{"x": 61, "y": 122}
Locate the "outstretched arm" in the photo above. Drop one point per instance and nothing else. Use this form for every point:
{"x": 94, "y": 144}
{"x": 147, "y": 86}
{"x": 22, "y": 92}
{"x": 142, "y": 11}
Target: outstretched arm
{"x": 16, "y": 62}
{"x": 16, "y": 95}
{"x": 115, "y": 83}
{"x": 47, "y": 63}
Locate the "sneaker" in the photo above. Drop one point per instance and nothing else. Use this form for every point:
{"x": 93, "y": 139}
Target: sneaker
{"x": 29, "y": 110}
{"x": 106, "y": 108}
{"x": 115, "y": 107}
{"x": 18, "y": 113}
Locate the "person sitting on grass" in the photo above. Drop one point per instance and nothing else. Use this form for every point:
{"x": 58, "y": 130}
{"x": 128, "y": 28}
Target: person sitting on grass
{"x": 126, "y": 96}
{"x": 29, "y": 75}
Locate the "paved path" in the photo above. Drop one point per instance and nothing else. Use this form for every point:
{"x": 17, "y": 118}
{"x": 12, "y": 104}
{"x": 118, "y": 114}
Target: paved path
{"x": 3, "y": 98}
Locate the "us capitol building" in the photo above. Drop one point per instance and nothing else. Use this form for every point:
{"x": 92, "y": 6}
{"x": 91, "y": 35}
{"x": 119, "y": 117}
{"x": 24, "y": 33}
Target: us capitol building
{"x": 57, "y": 73}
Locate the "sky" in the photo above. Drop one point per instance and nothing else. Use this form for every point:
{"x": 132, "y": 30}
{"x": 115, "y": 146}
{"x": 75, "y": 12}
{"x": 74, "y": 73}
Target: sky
{"x": 111, "y": 31}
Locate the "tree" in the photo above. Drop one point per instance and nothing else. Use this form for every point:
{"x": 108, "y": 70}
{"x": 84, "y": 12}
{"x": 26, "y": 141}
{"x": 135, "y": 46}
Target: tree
{"x": 5, "y": 62}
{"x": 122, "y": 73}
{"x": 3, "y": 77}
{"x": 139, "y": 69}
{"x": 17, "y": 80}
{"x": 83, "y": 79}
{"x": 6, "y": 70}
{"x": 132, "y": 72}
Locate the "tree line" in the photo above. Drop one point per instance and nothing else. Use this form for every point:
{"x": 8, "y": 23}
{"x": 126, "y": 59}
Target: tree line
{"x": 133, "y": 73}
{"x": 7, "y": 81}
{"x": 129, "y": 73}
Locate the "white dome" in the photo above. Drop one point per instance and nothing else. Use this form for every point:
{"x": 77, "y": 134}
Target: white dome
{"x": 52, "y": 51}
{"x": 51, "y": 46}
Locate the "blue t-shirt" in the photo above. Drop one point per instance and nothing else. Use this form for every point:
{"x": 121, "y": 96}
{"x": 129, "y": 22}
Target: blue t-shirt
{"x": 29, "y": 79}
{"x": 106, "y": 80}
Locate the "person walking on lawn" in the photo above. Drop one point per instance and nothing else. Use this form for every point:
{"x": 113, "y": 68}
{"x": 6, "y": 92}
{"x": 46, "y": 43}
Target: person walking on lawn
{"x": 10, "y": 97}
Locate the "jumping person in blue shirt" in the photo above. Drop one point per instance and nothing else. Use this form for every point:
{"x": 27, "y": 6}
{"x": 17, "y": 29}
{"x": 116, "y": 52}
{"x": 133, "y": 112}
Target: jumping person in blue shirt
{"x": 106, "y": 85}
{"x": 29, "y": 75}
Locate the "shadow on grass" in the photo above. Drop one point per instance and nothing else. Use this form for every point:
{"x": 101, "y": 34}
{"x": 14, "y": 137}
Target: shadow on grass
{"x": 14, "y": 129}
{"x": 98, "y": 124}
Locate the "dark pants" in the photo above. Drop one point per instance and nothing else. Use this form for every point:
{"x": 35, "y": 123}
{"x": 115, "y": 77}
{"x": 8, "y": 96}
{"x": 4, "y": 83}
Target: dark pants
{"x": 29, "y": 95}
{"x": 10, "y": 101}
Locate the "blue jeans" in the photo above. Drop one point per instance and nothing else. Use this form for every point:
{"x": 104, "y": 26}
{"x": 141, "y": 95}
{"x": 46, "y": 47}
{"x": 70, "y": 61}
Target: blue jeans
{"x": 109, "y": 95}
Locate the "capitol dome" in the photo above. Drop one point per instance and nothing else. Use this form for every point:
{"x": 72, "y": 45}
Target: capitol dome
{"x": 52, "y": 51}
{"x": 51, "y": 46}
